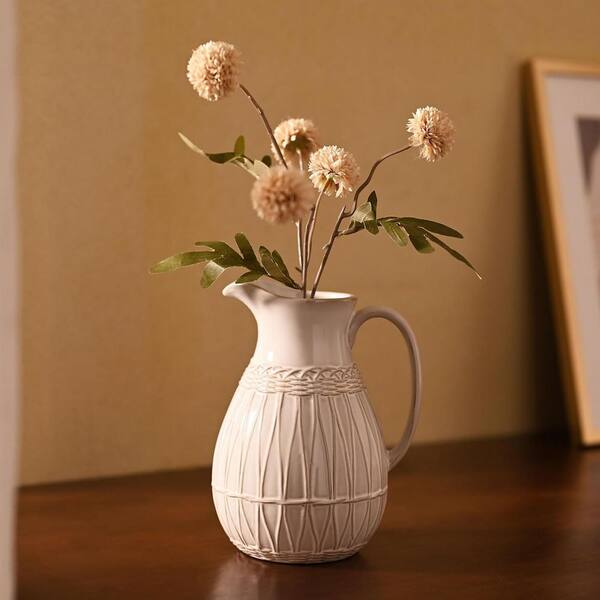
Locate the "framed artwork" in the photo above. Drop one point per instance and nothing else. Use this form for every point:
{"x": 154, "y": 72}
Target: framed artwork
{"x": 565, "y": 119}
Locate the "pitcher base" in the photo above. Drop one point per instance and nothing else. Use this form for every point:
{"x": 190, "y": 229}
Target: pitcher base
{"x": 298, "y": 557}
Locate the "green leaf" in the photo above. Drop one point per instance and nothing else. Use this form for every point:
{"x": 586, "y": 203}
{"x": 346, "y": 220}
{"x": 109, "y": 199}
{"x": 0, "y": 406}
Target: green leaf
{"x": 373, "y": 200}
{"x": 363, "y": 213}
{"x": 274, "y": 270}
{"x": 395, "y": 232}
{"x": 250, "y": 260}
{"x": 246, "y": 164}
{"x": 250, "y": 276}
{"x": 432, "y": 226}
{"x": 267, "y": 160}
{"x": 367, "y": 214}
{"x": 254, "y": 167}
{"x": 210, "y": 273}
{"x": 237, "y": 156}
{"x": 222, "y": 248}
{"x": 452, "y": 252}
{"x": 279, "y": 262}
{"x": 227, "y": 256}
{"x": 353, "y": 227}
{"x": 419, "y": 241}
{"x": 230, "y": 261}
{"x": 240, "y": 146}
{"x": 270, "y": 265}
{"x": 260, "y": 168}
{"x": 190, "y": 144}
{"x": 221, "y": 157}
{"x": 185, "y": 259}
{"x": 371, "y": 227}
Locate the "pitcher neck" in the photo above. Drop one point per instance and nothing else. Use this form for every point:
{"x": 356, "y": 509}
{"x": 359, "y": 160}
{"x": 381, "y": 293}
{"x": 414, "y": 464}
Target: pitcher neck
{"x": 295, "y": 331}
{"x": 302, "y": 333}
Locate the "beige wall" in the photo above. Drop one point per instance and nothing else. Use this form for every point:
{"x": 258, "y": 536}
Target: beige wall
{"x": 126, "y": 372}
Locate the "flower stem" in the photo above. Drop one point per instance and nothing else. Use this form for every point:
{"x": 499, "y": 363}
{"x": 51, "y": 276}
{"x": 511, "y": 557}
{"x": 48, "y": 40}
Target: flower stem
{"x": 261, "y": 112}
{"x": 307, "y": 244}
{"x": 300, "y": 234}
{"x": 366, "y": 182}
{"x": 328, "y": 248}
{"x": 300, "y": 161}
{"x": 304, "y": 264}
{"x": 348, "y": 213}
{"x": 299, "y": 238}
{"x": 310, "y": 227}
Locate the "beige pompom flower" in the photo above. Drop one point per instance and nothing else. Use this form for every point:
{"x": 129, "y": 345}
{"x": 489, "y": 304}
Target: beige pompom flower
{"x": 281, "y": 195}
{"x": 296, "y": 136}
{"x": 213, "y": 70}
{"x": 333, "y": 169}
{"x": 431, "y": 130}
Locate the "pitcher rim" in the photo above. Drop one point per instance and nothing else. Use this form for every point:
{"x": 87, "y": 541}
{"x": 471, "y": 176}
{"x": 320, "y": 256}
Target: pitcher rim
{"x": 324, "y": 296}
{"x": 327, "y": 296}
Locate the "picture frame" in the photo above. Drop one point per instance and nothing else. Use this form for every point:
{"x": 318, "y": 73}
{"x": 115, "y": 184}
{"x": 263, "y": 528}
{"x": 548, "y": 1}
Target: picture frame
{"x": 564, "y": 104}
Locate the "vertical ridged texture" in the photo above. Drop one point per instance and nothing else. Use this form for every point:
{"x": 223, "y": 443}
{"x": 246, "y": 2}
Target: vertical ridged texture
{"x": 300, "y": 469}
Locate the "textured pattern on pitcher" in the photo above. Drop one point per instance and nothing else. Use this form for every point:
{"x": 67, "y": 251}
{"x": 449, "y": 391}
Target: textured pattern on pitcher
{"x": 301, "y": 381}
{"x": 300, "y": 471}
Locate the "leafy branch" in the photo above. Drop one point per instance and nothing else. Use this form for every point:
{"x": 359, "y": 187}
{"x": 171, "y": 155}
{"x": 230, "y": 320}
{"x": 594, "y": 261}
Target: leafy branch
{"x": 236, "y": 157}
{"x": 221, "y": 256}
{"x": 421, "y": 233}
{"x": 345, "y": 213}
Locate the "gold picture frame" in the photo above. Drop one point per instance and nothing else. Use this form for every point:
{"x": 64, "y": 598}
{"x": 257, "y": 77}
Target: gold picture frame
{"x": 554, "y": 86}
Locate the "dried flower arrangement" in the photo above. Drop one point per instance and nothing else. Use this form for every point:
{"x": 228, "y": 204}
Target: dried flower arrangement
{"x": 291, "y": 190}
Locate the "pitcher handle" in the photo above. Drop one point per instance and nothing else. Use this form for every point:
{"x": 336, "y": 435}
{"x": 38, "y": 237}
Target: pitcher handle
{"x": 374, "y": 312}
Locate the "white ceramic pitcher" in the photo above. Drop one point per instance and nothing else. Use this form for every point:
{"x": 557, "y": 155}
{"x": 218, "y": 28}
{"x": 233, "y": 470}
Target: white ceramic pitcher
{"x": 300, "y": 468}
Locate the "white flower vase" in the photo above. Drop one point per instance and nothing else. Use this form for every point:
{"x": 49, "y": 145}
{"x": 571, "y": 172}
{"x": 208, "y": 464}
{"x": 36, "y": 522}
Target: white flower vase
{"x": 300, "y": 468}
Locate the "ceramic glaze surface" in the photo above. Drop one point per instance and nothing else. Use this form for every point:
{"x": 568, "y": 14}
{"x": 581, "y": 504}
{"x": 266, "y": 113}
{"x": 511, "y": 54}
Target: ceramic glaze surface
{"x": 300, "y": 468}
{"x": 297, "y": 332}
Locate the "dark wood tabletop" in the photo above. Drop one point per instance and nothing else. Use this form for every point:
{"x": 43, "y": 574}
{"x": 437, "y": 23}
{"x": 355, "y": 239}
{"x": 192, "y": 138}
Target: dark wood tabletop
{"x": 516, "y": 518}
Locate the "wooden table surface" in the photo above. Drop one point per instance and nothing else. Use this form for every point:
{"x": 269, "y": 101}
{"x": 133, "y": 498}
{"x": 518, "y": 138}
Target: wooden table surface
{"x": 517, "y": 518}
